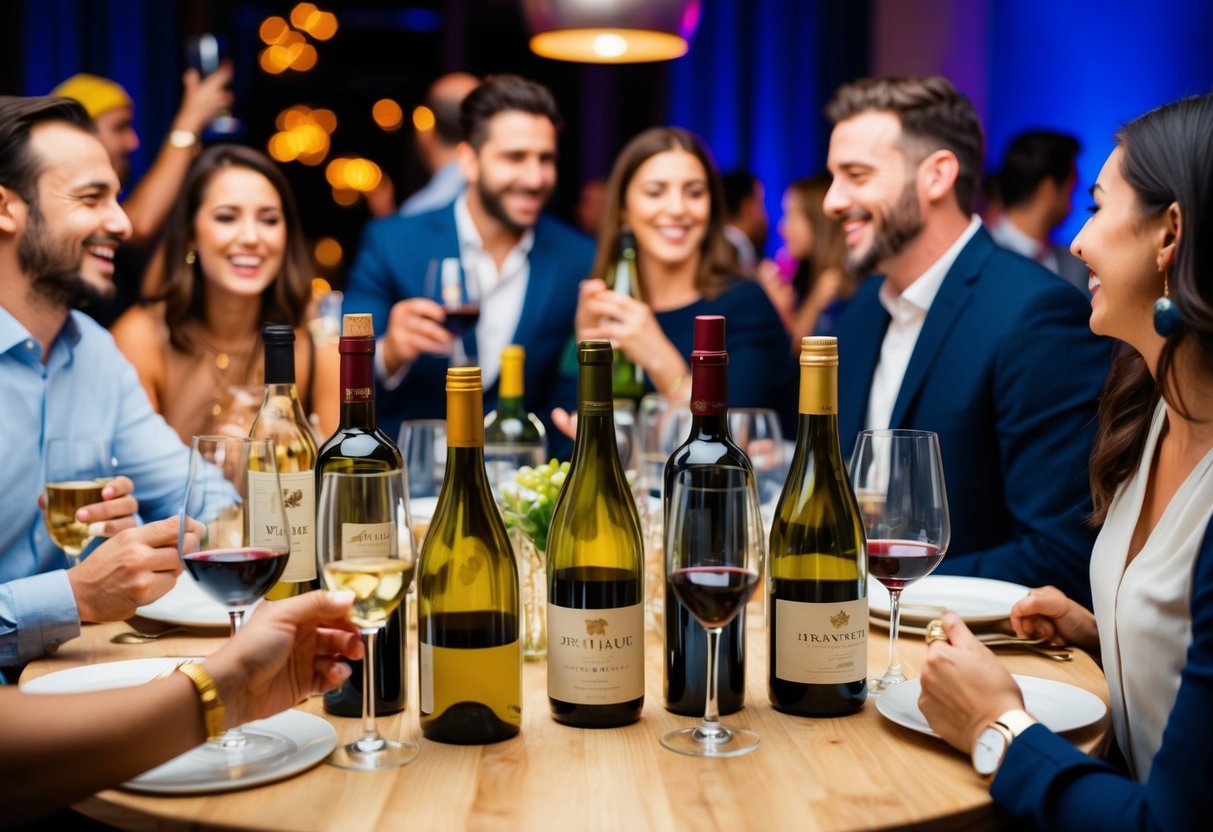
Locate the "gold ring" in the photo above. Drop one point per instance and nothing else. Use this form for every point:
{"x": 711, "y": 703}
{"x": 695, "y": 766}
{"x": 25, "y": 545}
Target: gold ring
{"x": 936, "y": 632}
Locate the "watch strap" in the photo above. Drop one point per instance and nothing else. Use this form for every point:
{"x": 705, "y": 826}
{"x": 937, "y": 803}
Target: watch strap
{"x": 208, "y": 696}
{"x": 182, "y": 139}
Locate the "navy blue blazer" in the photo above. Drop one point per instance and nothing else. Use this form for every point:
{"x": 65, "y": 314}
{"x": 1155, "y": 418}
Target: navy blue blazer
{"x": 1047, "y": 783}
{"x": 391, "y": 266}
{"x": 1007, "y": 372}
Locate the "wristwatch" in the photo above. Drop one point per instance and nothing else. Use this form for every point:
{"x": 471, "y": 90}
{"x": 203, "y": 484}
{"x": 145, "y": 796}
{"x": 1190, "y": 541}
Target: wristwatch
{"x": 992, "y": 743}
{"x": 182, "y": 139}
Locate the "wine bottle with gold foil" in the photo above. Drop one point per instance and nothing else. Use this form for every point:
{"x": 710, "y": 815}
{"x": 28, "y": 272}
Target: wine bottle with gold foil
{"x": 627, "y": 379}
{"x": 595, "y": 569}
{"x": 708, "y": 444}
{"x": 359, "y": 445}
{"x": 281, "y": 419}
{"x": 513, "y": 437}
{"x": 818, "y": 603}
{"x": 468, "y": 591}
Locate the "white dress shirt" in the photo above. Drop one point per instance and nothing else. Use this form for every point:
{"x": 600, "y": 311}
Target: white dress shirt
{"x": 907, "y": 312}
{"x": 1144, "y": 609}
{"x": 1008, "y": 235}
{"x": 501, "y": 297}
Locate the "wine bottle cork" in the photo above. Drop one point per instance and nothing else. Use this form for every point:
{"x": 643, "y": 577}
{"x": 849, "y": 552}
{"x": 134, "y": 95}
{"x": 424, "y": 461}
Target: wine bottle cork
{"x": 357, "y": 326}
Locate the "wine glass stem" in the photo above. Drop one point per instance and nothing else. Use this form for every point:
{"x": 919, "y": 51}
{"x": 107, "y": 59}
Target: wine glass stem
{"x": 370, "y": 740}
{"x": 233, "y": 738}
{"x": 894, "y": 671}
{"x": 710, "y": 728}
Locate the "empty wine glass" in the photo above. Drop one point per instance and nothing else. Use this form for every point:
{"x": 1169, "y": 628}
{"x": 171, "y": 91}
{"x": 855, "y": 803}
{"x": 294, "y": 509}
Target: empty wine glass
{"x": 364, "y": 544}
{"x": 234, "y": 492}
{"x": 457, "y": 291}
{"x": 714, "y": 552}
{"x": 898, "y": 480}
{"x": 77, "y": 469}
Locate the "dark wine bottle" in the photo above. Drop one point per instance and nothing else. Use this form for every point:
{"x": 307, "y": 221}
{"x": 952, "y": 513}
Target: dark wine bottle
{"x": 708, "y": 444}
{"x": 281, "y": 419}
{"x": 595, "y": 569}
{"x": 468, "y": 596}
{"x": 627, "y": 379}
{"x": 818, "y": 602}
{"x": 360, "y": 446}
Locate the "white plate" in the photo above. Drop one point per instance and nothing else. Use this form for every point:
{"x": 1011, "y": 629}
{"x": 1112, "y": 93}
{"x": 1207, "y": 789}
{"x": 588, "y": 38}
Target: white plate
{"x": 309, "y": 738}
{"x": 1061, "y": 707}
{"x": 976, "y": 600}
{"x": 186, "y": 605}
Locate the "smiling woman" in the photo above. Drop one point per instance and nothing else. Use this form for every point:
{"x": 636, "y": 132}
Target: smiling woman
{"x": 232, "y": 260}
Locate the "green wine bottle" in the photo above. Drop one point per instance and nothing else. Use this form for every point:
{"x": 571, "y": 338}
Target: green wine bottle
{"x": 818, "y": 601}
{"x": 513, "y": 437}
{"x": 360, "y": 446}
{"x": 627, "y": 379}
{"x": 595, "y": 569}
{"x": 468, "y": 596}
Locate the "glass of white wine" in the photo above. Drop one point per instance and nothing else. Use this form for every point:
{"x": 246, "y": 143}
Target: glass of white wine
{"x": 364, "y": 544}
{"x": 77, "y": 469}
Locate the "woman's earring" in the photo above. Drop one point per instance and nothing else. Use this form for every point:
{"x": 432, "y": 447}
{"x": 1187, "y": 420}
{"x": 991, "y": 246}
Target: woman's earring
{"x": 1166, "y": 316}
{"x": 191, "y": 257}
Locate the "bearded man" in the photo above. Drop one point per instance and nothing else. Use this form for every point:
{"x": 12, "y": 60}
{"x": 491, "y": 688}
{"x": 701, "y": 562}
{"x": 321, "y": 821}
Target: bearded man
{"x": 526, "y": 264}
{"x": 958, "y": 336}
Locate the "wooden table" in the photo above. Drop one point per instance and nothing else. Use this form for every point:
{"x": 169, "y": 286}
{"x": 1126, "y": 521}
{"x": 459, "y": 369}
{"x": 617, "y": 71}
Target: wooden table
{"x": 857, "y": 772}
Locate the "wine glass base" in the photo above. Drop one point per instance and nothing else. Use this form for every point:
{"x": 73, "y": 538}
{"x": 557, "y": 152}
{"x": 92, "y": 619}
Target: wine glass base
{"x": 881, "y": 684}
{"x": 390, "y": 754}
{"x": 258, "y": 752}
{"x": 693, "y": 742}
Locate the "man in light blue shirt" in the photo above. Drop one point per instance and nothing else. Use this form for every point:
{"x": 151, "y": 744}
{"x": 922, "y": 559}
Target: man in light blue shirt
{"x": 61, "y": 375}
{"x": 437, "y": 145}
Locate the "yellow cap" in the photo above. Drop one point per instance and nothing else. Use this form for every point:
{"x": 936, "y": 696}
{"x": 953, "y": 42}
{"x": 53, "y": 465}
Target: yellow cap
{"x": 511, "y": 382}
{"x": 98, "y": 95}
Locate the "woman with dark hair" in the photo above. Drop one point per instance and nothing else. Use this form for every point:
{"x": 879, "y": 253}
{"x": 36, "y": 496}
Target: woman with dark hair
{"x": 809, "y": 299}
{"x": 233, "y": 258}
{"x": 1150, "y": 253}
{"x": 666, "y": 189}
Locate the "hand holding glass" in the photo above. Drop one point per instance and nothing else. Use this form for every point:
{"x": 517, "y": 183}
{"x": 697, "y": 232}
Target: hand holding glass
{"x": 76, "y": 472}
{"x": 364, "y": 544}
{"x": 898, "y": 480}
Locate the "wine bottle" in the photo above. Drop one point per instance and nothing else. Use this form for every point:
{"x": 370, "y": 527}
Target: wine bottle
{"x": 627, "y": 379}
{"x": 359, "y": 445}
{"x": 707, "y": 444}
{"x": 468, "y": 604}
{"x": 595, "y": 569}
{"x": 818, "y": 604}
{"x": 512, "y": 436}
{"x": 281, "y": 420}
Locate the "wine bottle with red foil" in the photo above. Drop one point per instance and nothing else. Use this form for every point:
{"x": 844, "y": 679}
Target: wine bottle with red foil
{"x": 707, "y": 444}
{"x": 281, "y": 420}
{"x": 359, "y": 446}
{"x": 818, "y": 603}
{"x": 595, "y": 569}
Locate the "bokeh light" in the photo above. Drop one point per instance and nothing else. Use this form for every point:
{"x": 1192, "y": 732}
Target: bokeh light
{"x": 273, "y": 30}
{"x": 423, "y": 118}
{"x": 387, "y": 114}
{"x": 328, "y": 252}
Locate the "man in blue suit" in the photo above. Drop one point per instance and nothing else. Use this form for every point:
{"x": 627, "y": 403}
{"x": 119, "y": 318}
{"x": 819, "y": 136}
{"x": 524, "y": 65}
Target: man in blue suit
{"x": 961, "y": 337}
{"x": 528, "y": 265}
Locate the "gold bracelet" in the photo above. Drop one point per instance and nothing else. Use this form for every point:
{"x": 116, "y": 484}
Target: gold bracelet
{"x": 208, "y": 695}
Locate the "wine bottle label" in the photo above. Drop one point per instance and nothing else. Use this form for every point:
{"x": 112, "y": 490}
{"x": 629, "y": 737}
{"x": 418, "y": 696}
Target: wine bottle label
{"x": 489, "y": 675}
{"x": 596, "y": 657}
{"x": 264, "y": 519}
{"x": 367, "y": 540}
{"x": 821, "y": 644}
{"x": 299, "y": 500}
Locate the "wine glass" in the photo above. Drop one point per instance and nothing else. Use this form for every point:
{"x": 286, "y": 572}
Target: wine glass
{"x": 714, "y": 553}
{"x": 457, "y": 291}
{"x": 898, "y": 480}
{"x": 364, "y": 544}
{"x": 234, "y": 492}
{"x": 76, "y": 472}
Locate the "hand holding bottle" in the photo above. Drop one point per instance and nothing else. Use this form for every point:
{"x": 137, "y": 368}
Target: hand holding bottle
{"x": 632, "y": 328}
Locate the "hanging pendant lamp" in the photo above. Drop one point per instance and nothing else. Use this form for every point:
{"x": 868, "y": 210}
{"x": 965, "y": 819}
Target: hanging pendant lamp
{"x": 611, "y": 31}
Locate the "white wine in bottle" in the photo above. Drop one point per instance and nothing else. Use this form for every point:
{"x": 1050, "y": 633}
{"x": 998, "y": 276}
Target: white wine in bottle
{"x": 818, "y": 604}
{"x": 595, "y": 569}
{"x": 468, "y": 591}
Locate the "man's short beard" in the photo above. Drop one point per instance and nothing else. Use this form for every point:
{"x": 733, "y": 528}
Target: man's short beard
{"x": 899, "y": 227}
{"x": 495, "y": 207}
{"x": 56, "y": 278}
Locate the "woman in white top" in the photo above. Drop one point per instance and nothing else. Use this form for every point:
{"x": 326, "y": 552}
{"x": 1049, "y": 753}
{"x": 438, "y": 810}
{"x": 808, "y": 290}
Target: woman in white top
{"x": 1149, "y": 248}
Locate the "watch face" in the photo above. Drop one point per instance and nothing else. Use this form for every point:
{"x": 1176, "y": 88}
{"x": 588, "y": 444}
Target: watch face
{"x": 988, "y": 751}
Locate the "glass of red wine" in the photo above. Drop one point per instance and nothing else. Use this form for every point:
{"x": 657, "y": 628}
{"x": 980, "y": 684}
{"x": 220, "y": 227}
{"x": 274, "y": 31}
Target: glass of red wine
{"x": 457, "y": 291}
{"x": 713, "y": 557}
{"x": 234, "y": 492}
{"x": 898, "y": 480}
